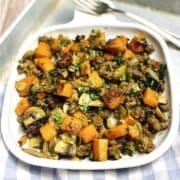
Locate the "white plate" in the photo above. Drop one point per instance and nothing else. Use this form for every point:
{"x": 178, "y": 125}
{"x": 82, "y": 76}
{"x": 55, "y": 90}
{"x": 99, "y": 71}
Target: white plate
{"x": 11, "y": 130}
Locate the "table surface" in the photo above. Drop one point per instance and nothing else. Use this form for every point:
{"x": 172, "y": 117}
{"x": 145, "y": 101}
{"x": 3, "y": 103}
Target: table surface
{"x": 9, "y": 11}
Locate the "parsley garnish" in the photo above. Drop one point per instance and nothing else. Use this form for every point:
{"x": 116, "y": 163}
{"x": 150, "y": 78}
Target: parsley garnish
{"x": 58, "y": 118}
{"x": 82, "y": 89}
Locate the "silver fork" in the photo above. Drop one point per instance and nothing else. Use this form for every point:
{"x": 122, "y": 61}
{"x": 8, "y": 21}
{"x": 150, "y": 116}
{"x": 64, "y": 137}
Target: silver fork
{"x": 96, "y": 7}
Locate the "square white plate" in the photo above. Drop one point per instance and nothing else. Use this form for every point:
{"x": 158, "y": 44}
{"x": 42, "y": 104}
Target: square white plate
{"x": 11, "y": 130}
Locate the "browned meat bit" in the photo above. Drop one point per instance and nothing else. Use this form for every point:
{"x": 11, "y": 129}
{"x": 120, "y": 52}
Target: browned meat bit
{"x": 105, "y": 113}
{"x": 114, "y": 150}
{"x": 130, "y": 101}
{"x": 97, "y": 38}
{"x": 154, "y": 124}
{"x": 138, "y": 113}
{"x": 113, "y": 98}
{"x": 145, "y": 144}
{"x": 84, "y": 150}
{"x": 106, "y": 71}
{"x": 73, "y": 107}
{"x": 65, "y": 61}
{"x": 97, "y": 120}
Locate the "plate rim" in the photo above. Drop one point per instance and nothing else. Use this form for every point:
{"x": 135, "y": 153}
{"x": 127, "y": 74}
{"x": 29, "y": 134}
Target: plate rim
{"x": 93, "y": 165}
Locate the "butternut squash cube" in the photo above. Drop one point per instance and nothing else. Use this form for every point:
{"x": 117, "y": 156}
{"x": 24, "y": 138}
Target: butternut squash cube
{"x": 43, "y": 50}
{"x": 151, "y": 97}
{"x": 48, "y": 131}
{"x": 88, "y": 133}
{"x": 95, "y": 80}
{"x": 71, "y": 125}
{"x": 81, "y": 116}
{"x": 85, "y": 68}
{"x": 45, "y": 64}
{"x": 64, "y": 89}
{"x": 23, "y": 85}
{"x": 22, "y": 106}
{"x": 117, "y": 132}
{"x": 100, "y": 149}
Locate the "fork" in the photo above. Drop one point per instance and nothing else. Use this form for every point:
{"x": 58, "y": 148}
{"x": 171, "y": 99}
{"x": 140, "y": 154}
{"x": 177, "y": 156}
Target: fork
{"x": 96, "y": 7}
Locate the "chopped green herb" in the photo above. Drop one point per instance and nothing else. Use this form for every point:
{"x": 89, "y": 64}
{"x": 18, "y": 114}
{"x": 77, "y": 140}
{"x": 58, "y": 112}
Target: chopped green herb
{"x": 86, "y": 56}
{"x": 58, "y": 118}
{"x": 82, "y": 89}
{"x": 32, "y": 95}
{"x": 94, "y": 94}
{"x": 75, "y": 67}
{"x": 47, "y": 75}
{"x": 119, "y": 60}
{"x": 84, "y": 107}
{"x": 129, "y": 150}
{"x": 143, "y": 42}
{"x": 65, "y": 42}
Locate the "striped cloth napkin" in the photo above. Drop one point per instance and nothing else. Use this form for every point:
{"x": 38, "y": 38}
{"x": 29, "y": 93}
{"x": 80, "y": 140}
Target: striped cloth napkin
{"x": 166, "y": 167}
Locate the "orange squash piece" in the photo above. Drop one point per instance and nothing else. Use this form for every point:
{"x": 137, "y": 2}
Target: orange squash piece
{"x": 117, "y": 132}
{"x": 128, "y": 54}
{"x": 135, "y": 44}
{"x": 150, "y": 97}
{"x": 130, "y": 120}
{"x": 22, "y": 106}
{"x": 108, "y": 57}
{"x": 48, "y": 131}
{"x": 71, "y": 125}
{"x": 81, "y": 116}
{"x": 100, "y": 149}
{"x": 45, "y": 64}
{"x": 85, "y": 68}
{"x": 95, "y": 80}
{"x": 43, "y": 50}
{"x": 113, "y": 98}
{"x": 23, "y": 85}
{"x": 118, "y": 44}
{"x": 88, "y": 133}
{"x": 64, "y": 89}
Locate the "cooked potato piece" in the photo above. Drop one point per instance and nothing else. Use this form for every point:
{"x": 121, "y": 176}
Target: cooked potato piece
{"x": 151, "y": 97}
{"x": 44, "y": 64}
{"x": 71, "y": 124}
{"x": 43, "y": 50}
{"x": 95, "y": 80}
{"x": 64, "y": 89}
{"x": 119, "y": 44}
{"x": 48, "y": 131}
{"x": 22, "y": 106}
{"x": 117, "y": 132}
{"x": 100, "y": 149}
{"x": 88, "y": 133}
{"x": 23, "y": 85}
{"x": 113, "y": 98}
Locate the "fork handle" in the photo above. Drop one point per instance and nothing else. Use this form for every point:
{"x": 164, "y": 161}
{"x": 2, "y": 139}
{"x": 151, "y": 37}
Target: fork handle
{"x": 168, "y": 36}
